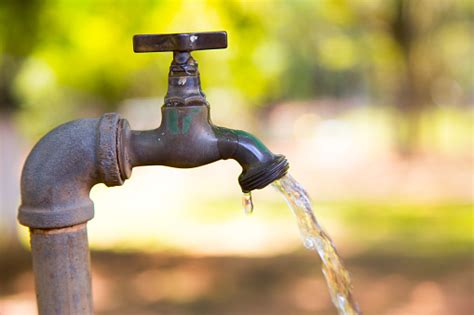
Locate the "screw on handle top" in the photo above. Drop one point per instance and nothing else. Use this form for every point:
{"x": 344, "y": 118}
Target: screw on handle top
{"x": 179, "y": 42}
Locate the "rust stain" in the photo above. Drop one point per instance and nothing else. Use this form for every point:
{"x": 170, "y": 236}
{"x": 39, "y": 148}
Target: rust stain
{"x": 74, "y": 228}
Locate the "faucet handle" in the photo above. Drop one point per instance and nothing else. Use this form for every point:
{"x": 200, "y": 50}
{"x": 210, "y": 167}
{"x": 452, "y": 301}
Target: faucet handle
{"x": 179, "y": 42}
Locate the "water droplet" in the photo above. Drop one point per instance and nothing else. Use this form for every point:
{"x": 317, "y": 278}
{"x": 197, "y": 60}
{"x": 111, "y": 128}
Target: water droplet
{"x": 308, "y": 242}
{"x": 247, "y": 203}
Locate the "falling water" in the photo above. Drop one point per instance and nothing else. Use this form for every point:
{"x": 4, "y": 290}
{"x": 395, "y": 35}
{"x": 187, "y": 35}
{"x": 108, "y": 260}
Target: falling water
{"x": 247, "y": 203}
{"x": 316, "y": 239}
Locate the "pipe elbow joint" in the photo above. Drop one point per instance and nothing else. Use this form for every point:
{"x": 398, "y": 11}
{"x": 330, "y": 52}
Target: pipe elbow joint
{"x": 62, "y": 168}
{"x": 260, "y": 166}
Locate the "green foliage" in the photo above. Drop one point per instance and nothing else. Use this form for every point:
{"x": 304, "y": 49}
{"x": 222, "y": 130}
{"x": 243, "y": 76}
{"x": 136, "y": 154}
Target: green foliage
{"x": 403, "y": 228}
{"x": 420, "y": 229}
{"x": 76, "y": 56}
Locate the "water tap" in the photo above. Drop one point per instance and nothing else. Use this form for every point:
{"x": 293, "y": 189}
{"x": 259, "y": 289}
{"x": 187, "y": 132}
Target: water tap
{"x": 68, "y": 161}
{"x": 187, "y": 137}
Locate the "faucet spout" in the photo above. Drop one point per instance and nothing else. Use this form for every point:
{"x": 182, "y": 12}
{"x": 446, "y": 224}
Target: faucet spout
{"x": 260, "y": 166}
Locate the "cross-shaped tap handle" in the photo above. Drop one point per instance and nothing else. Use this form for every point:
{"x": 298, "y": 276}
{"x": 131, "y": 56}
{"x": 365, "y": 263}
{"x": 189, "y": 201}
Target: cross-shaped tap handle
{"x": 179, "y": 42}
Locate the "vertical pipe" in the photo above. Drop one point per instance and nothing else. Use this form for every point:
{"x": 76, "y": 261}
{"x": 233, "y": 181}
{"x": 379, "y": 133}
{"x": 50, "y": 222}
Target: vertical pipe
{"x": 61, "y": 265}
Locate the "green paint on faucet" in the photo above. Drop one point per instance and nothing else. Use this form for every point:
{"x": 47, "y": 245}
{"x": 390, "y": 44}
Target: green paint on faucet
{"x": 188, "y": 118}
{"x": 172, "y": 120}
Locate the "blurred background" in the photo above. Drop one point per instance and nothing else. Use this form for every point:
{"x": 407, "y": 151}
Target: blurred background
{"x": 371, "y": 102}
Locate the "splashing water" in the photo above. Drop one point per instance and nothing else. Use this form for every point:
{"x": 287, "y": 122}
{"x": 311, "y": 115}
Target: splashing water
{"x": 316, "y": 239}
{"x": 247, "y": 203}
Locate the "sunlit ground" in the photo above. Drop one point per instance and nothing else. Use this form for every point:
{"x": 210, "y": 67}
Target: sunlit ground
{"x": 160, "y": 283}
{"x": 175, "y": 241}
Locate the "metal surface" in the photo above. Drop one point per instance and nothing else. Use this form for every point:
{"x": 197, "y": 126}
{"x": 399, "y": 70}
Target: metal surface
{"x": 64, "y": 165}
{"x": 179, "y": 41}
{"x": 56, "y": 181}
{"x": 106, "y": 150}
{"x": 61, "y": 266}
{"x": 186, "y": 137}
{"x": 62, "y": 168}
{"x": 184, "y": 82}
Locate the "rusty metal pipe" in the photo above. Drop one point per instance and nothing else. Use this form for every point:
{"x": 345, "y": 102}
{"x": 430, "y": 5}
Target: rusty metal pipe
{"x": 61, "y": 265}
{"x": 62, "y": 168}
{"x": 56, "y": 180}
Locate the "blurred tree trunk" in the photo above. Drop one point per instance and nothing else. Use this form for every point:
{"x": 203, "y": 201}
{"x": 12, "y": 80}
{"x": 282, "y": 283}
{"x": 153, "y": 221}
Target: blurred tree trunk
{"x": 18, "y": 38}
{"x": 414, "y": 88}
{"x": 408, "y": 102}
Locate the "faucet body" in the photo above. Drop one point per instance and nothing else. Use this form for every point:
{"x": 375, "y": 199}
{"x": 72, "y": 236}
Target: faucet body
{"x": 187, "y": 137}
{"x": 66, "y": 163}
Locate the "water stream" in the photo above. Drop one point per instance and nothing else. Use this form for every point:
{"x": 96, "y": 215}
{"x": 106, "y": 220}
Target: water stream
{"x": 316, "y": 239}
